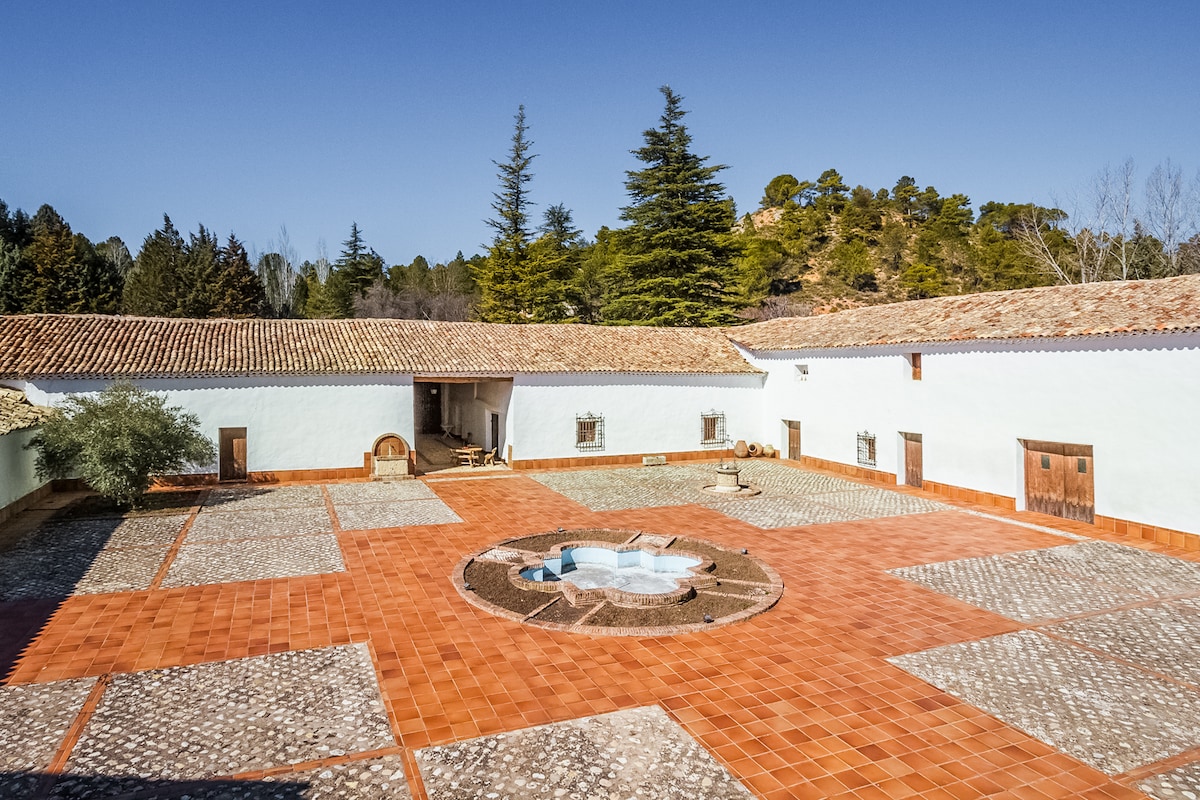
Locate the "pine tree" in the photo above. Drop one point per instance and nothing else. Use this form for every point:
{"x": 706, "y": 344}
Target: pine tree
{"x": 152, "y": 287}
{"x": 237, "y": 293}
{"x": 198, "y": 278}
{"x": 502, "y": 277}
{"x": 674, "y": 260}
{"x": 51, "y": 252}
{"x": 353, "y": 274}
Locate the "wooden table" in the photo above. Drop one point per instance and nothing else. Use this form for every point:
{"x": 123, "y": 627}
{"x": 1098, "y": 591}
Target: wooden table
{"x": 472, "y": 452}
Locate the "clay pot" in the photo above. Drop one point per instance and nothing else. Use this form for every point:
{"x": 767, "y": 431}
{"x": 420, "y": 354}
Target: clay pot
{"x": 769, "y": 450}
{"x": 755, "y": 450}
{"x": 740, "y": 449}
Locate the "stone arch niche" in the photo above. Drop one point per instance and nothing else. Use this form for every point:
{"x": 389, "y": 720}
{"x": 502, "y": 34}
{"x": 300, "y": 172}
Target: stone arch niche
{"x": 389, "y": 457}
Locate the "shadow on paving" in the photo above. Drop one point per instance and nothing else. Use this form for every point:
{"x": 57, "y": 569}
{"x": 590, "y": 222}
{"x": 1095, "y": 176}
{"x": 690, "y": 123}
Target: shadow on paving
{"x": 38, "y": 785}
{"x": 71, "y": 553}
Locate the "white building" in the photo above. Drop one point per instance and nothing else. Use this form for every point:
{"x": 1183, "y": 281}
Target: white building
{"x": 1075, "y": 400}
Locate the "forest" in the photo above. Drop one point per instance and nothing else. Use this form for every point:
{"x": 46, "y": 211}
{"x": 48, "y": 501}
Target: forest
{"x": 683, "y": 257}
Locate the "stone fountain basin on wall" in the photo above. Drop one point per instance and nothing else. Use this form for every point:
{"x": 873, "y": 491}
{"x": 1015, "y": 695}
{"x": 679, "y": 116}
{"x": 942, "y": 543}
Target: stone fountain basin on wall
{"x": 629, "y": 575}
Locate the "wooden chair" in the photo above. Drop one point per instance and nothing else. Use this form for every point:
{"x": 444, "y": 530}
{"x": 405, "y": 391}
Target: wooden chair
{"x": 489, "y": 459}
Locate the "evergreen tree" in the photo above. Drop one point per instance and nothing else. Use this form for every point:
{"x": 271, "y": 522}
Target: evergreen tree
{"x": 675, "y": 258}
{"x": 152, "y": 287}
{"x": 237, "y": 292}
{"x": 502, "y": 277}
{"x": 550, "y": 268}
{"x": 15, "y": 279}
{"x": 200, "y": 270}
{"x": 355, "y": 271}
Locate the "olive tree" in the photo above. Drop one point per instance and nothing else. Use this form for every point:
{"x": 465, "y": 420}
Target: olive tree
{"x": 117, "y": 440}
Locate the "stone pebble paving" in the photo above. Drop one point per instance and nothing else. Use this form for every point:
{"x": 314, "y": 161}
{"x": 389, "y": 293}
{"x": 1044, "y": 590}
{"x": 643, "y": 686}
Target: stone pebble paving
{"x": 34, "y": 719}
{"x": 1106, "y": 714}
{"x": 254, "y": 559}
{"x": 224, "y": 718}
{"x": 1121, "y": 566}
{"x": 259, "y": 523}
{"x": 87, "y": 556}
{"x": 790, "y": 496}
{"x": 638, "y": 753}
{"x": 379, "y": 492}
{"x": 364, "y": 516}
{"x": 1178, "y": 784}
{"x": 249, "y": 498}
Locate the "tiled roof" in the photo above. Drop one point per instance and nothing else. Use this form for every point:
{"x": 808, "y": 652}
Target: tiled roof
{"x": 16, "y": 412}
{"x": 83, "y": 346}
{"x": 1091, "y": 309}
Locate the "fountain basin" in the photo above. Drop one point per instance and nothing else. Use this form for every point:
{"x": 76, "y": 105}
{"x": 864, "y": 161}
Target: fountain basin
{"x": 587, "y": 572}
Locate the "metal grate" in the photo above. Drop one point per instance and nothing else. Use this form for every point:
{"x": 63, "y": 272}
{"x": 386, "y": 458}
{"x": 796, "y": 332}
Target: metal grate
{"x": 712, "y": 429}
{"x": 589, "y": 432}
{"x": 866, "y": 449}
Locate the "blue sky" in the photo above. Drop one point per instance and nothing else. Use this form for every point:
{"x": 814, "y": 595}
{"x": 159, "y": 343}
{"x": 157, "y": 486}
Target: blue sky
{"x": 249, "y": 116}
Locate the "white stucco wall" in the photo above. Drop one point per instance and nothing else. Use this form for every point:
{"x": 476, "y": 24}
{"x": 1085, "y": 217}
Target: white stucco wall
{"x": 642, "y": 413}
{"x": 17, "y": 475}
{"x": 1133, "y": 398}
{"x": 293, "y": 423}
{"x": 468, "y": 407}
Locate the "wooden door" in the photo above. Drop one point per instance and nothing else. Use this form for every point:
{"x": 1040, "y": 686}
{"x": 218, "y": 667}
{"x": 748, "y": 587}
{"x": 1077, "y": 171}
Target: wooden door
{"x": 232, "y": 463}
{"x": 793, "y": 446}
{"x": 914, "y": 474}
{"x": 1058, "y": 480}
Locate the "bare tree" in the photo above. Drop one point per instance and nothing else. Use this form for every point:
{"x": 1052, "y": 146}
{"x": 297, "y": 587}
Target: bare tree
{"x": 277, "y": 271}
{"x": 1171, "y": 212}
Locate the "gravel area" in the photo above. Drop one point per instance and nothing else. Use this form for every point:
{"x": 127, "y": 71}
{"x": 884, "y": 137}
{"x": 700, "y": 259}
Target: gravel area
{"x": 1111, "y": 716}
{"x": 259, "y": 523}
{"x": 126, "y": 569}
{"x": 626, "y": 754}
{"x": 223, "y": 718}
{"x": 1017, "y": 588}
{"x": 34, "y": 718}
{"x": 254, "y": 559}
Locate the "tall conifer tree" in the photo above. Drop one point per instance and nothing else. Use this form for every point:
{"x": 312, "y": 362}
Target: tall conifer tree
{"x": 237, "y": 293}
{"x": 501, "y": 276}
{"x": 152, "y": 286}
{"x": 675, "y": 258}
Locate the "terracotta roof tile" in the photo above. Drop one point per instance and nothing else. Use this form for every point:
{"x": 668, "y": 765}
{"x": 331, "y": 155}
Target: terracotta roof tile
{"x": 1092, "y": 309}
{"x": 16, "y": 412}
{"x": 82, "y": 346}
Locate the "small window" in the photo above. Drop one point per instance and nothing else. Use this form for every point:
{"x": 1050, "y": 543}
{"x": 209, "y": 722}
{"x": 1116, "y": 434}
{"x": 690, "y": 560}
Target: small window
{"x": 915, "y": 358}
{"x": 1045, "y": 462}
{"x": 802, "y": 372}
{"x": 589, "y": 432}
{"x": 1081, "y": 465}
{"x": 712, "y": 429}
{"x": 866, "y": 449}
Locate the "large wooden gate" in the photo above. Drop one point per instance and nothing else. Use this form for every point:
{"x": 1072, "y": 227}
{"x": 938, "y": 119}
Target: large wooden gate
{"x": 232, "y": 464}
{"x": 793, "y": 445}
{"x": 914, "y": 473}
{"x": 1058, "y": 480}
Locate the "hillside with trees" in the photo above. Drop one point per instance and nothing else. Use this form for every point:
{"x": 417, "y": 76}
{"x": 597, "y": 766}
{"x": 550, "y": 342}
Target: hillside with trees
{"x": 683, "y": 256}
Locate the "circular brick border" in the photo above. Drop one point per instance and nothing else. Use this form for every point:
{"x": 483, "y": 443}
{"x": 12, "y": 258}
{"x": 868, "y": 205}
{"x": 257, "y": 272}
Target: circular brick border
{"x": 774, "y": 592}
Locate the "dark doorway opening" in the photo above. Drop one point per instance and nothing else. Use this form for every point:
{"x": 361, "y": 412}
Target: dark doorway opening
{"x": 232, "y": 462}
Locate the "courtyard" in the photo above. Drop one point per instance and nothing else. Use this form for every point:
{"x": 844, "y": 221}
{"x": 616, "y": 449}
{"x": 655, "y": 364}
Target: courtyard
{"x": 307, "y": 640}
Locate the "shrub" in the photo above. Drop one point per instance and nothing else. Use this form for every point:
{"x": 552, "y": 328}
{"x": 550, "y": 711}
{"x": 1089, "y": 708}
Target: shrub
{"x": 117, "y": 440}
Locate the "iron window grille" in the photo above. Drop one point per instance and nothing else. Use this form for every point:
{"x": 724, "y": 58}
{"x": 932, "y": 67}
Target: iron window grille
{"x": 589, "y": 432}
{"x": 712, "y": 429}
{"x": 866, "y": 449}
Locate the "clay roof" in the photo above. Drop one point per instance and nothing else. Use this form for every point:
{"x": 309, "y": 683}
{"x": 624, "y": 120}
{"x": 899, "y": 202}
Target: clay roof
{"x": 16, "y": 412}
{"x": 96, "y": 346}
{"x": 1091, "y": 309}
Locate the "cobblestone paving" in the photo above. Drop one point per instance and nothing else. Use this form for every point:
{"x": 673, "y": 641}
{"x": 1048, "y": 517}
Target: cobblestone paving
{"x": 259, "y": 523}
{"x": 363, "y": 516}
{"x": 124, "y": 569}
{"x": 34, "y": 718}
{"x": 1016, "y": 588}
{"x": 1164, "y": 638}
{"x": 243, "y": 498}
{"x": 1106, "y": 714}
{"x": 781, "y": 512}
{"x": 254, "y": 559}
{"x": 369, "y": 779}
{"x": 223, "y": 718}
{"x": 636, "y": 753}
{"x": 87, "y": 556}
{"x": 789, "y": 496}
{"x": 379, "y": 492}
{"x": 1178, "y": 784}
{"x": 874, "y": 503}
{"x": 1119, "y": 565}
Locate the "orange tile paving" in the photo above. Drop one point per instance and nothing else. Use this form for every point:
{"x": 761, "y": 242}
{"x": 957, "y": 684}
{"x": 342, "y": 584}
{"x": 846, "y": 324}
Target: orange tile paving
{"x": 797, "y": 703}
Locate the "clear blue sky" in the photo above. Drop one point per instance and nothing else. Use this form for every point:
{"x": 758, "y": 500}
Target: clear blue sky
{"x": 245, "y": 116}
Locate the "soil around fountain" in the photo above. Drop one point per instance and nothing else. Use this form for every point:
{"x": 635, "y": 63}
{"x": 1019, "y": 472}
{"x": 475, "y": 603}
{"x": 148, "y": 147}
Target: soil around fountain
{"x": 745, "y": 587}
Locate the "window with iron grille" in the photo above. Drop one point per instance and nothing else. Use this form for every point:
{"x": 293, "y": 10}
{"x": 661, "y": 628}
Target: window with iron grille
{"x": 712, "y": 429}
{"x": 589, "y": 432}
{"x": 866, "y": 449}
